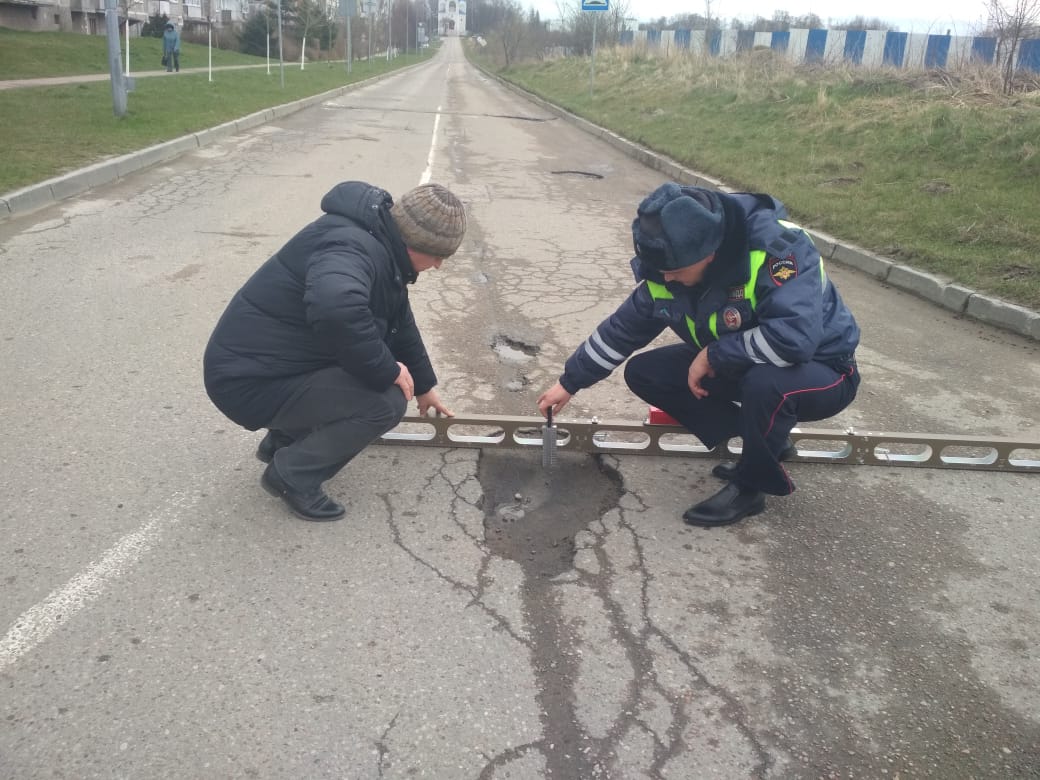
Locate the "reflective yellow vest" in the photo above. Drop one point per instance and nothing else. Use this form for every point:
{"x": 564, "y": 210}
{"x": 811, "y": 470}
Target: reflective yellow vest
{"x": 758, "y": 258}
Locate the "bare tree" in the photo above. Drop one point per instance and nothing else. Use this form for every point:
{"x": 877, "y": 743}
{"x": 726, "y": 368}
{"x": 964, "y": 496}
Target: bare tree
{"x": 808, "y": 22}
{"x": 511, "y": 31}
{"x": 616, "y": 15}
{"x": 1011, "y": 20}
{"x": 307, "y": 15}
{"x": 862, "y": 23}
{"x": 579, "y": 24}
{"x": 687, "y": 22}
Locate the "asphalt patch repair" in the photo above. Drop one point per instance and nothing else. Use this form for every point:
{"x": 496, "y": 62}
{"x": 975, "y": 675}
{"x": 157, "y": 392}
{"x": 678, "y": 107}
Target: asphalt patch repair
{"x": 532, "y": 514}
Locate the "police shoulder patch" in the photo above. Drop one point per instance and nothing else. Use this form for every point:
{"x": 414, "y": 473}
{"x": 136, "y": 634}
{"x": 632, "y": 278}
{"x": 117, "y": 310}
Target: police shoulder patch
{"x": 731, "y": 318}
{"x": 782, "y": 269}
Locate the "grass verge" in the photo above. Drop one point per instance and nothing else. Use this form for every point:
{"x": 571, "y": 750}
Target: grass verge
{"x": 34, "y": 55}
{"x": 52, "y": 130}
{"x": 935, "y": 170}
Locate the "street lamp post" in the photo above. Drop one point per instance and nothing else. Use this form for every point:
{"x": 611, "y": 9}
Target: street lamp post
{"x": 281, "y": 61}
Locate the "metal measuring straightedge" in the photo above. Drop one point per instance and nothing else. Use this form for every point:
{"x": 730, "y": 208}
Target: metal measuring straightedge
{"x": 618, "y": 437}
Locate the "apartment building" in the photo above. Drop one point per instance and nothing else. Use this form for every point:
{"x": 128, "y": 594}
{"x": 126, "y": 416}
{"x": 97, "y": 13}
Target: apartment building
{"x": 88, "y": 16}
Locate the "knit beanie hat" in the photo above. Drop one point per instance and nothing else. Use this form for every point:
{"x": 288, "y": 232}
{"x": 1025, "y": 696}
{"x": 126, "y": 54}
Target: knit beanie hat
{"x": 431, "y": 220}
{"x": 678, "y": 226}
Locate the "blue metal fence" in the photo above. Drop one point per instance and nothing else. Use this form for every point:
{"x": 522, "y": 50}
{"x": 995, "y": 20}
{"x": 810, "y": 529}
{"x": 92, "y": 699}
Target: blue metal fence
{"x": 895, "y": 49}
{"x": 862, "y": 47}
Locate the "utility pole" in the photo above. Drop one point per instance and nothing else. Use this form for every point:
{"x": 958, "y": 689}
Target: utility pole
{"x": 347, "y": 9}
{"x": 389, "y": 37}
{"x": 209, "y": 36}
{"x": 115, "y": 67}
{"x": 370, "y": 5}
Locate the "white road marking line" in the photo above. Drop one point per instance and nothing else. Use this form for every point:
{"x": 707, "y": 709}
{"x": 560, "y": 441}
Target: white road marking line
{"x": 425, "y": 178}
{"x": 40, "y": 621}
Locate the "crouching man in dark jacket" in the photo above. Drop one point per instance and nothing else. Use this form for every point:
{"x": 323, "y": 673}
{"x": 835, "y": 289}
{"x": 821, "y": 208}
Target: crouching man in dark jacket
{"x": 766, "y": 340}
{"x": 320, "y": 346}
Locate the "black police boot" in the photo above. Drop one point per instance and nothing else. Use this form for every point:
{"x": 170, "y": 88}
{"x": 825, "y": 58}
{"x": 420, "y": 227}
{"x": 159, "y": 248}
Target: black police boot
{"x": 315, "y": 506}
{"x": 734, "y": 502}
{"x": 270, "y": 444}
{"x": 729, "y": 470}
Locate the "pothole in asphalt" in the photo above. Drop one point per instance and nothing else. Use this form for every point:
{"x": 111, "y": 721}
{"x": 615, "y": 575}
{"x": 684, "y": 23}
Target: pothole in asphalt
{"x": 513, "y": 350}
{"x": 532, "y": 514}
{"x": 518, "y": 384}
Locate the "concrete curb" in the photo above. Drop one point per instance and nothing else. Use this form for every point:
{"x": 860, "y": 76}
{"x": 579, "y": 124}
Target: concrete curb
{"x": 934, "y": 289}
{"x": 45, "y": 193}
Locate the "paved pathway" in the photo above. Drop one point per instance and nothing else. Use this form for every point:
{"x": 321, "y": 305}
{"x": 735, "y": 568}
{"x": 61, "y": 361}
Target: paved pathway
{"x": 59, "y": 80}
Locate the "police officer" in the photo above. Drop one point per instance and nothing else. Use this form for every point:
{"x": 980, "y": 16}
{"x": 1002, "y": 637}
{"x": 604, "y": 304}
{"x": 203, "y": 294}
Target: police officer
{"x": 766, "y": 339}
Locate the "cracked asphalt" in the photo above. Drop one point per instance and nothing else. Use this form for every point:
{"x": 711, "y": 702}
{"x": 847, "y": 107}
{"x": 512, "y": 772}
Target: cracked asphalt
{"x": 475, "y": 615}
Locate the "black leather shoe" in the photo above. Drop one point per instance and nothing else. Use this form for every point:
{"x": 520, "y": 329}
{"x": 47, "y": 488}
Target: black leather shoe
{"x": 310, "y": 506}
{"x": 728, "y": 470}
{"x": 270, "y": 444}
{"x": 734, "y": 502}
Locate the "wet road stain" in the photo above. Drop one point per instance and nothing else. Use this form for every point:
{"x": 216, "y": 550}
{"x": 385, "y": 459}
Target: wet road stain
{"x": 531, "y": 516}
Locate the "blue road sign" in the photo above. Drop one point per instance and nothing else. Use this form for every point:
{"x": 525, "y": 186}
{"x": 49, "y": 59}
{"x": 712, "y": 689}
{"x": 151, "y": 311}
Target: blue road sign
{"x": 594, "y": 5}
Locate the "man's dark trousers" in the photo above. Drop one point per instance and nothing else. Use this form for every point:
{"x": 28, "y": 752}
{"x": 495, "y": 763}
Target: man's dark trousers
{"x": 772, "y": 400}
{"x": 330, "y": 416}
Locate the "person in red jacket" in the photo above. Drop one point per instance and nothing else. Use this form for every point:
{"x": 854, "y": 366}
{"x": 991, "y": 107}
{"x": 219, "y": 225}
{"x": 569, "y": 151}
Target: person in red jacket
{"x": 320, "y": 345}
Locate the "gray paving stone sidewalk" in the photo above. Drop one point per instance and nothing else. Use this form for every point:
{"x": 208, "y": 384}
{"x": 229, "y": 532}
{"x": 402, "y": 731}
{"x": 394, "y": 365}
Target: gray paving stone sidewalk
{"x": 56, "y": 81}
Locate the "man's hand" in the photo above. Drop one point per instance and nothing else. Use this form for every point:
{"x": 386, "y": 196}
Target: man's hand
{"x": 699, "y": 368}
{"x": 556, "y": 397}
{"x": 405, "y": 382}
{"x": 430, "y": 400}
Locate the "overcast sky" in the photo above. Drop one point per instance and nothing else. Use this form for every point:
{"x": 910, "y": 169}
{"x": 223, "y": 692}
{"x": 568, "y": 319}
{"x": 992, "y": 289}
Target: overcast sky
{"x": 961, "y": 17}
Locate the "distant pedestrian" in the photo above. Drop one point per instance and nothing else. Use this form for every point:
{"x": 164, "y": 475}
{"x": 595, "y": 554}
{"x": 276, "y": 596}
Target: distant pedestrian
{"x": 171, "y": 48}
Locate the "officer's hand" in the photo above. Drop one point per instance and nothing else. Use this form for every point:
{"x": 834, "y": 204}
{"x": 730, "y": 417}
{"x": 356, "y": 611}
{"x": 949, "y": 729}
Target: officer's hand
{"x": 699, "y": 368}
{"x": 405, "y": 382}
{"x": 556, "y": 397}
{"x": 430, "y": 400}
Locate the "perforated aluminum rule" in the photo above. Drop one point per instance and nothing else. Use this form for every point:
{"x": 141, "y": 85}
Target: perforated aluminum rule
{"x": 618, "y": 437}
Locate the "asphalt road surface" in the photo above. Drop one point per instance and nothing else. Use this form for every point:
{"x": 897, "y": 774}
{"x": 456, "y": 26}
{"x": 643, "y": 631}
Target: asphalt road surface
{"x": 475, "y": 616}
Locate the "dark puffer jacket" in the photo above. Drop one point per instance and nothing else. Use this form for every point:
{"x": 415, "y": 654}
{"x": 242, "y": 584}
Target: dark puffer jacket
{"x": 334, "y": 295}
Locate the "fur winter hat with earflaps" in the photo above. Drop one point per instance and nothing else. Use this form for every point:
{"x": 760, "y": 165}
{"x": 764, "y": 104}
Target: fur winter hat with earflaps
{"x": 431, "y": 220}
{"x": 677, "y": 226}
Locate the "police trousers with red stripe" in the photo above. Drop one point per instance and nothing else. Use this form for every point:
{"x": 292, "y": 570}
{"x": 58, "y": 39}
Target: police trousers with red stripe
{"x": 761, "y": 407}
